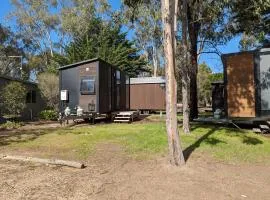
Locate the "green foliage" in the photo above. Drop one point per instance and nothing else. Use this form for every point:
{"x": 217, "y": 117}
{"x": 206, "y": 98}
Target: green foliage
{"x": 11, "y": 125}
{"x": 248, "y": 42}
{"x": 204, "y": 84}
{"x": 205, "y": 78}
{"x": 48, "y": 115}
{"x": 146, "y": 22}
{"x": 48, "y": 84}
{"x": 216, "y": 77}
{"x": 251, "y": 17}
{"x": 14, "y": 98}
{"x": 10, "y": 46}
{"x": 105, "y": 41}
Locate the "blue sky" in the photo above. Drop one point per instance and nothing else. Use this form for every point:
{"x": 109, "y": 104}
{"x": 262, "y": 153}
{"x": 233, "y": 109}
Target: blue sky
{"x": 211, "y": 59}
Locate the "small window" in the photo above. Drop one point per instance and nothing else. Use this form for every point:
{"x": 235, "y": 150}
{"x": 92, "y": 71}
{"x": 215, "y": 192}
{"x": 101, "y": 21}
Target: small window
{"x": 88, "y": 85}
{"x": 34, "y": 96}
{"x": 118, "y": 77}
{"x": 31, "y": 97}
{"x": 28, "y": 97}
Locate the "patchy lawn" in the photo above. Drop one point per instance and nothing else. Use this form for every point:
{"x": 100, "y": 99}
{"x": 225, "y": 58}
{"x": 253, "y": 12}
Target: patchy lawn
{"x": 220, "y": 163}
{"x": 141, "y": 140}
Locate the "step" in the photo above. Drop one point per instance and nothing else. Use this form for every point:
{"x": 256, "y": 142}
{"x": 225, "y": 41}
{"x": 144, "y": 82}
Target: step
{"x": 264, "y": 127}
{"x": 122, "y": 117}
{"x": 256, "y": 130}
{"x": 122, "y": 120}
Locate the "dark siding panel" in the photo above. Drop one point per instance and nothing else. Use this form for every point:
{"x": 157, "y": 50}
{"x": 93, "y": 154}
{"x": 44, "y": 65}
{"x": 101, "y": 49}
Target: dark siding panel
{"x": 127, "y": 93}
{"x": 104, "y": 87}
{"x": 89, "y": 69}
{"x": 70, "y": 80}
{"x": 147, "y": 97}
{"x": 113, "y": 89}
{"x": 123, "y": 92}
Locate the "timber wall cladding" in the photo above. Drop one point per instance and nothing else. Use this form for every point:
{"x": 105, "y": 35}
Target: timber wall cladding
{"x": 240, "y": 85}
{"x": 147, "y": 97}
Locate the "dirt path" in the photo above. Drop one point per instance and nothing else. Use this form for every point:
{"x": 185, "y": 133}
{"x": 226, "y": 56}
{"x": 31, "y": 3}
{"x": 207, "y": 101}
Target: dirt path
{"x": 111, "y": 174}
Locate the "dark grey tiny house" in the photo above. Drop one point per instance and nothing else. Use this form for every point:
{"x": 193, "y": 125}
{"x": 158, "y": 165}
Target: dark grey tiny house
{"x": 94, "y": 85}
{"x": 34, "y": 101}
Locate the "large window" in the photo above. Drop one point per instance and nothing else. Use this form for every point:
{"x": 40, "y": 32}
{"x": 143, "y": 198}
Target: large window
{"x": 88, "y": 85}
{"x": 31, "y": 97}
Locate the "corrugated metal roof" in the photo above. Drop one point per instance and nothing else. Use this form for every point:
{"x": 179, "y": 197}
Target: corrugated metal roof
{"x": 145, "y": 80}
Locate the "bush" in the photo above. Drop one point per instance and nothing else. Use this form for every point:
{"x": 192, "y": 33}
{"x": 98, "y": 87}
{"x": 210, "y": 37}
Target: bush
{"x": 11, "y": 125}
{"x": 13, "y": 95}
{"x": 48, "y": 115}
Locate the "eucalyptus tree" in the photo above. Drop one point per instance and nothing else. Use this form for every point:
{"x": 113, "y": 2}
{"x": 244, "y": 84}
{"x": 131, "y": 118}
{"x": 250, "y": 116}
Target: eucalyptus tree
{"x": 185, "y": 66}
{"x": 76, "y": 14}
{"x": 252, "y": 18}
{"x": 206, "y": 22}
{"x": 169, "y": 18}
{"x": 37, "y": 23}
{"x": 146, "y": 22}
{"x": 11, "y": 54}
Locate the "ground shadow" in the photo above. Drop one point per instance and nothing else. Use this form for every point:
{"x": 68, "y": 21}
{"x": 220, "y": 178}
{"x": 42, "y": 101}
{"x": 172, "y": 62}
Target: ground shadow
{"x": 213, "y": 141}
{"x": 246, "y": 139}
{"x": 251, "y": 140}
{"x": 190, "y": 149}
{"x": 8, "y": 137}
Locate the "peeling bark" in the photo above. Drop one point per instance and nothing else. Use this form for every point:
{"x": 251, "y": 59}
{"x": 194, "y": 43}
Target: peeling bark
{"x": 175, "y": 150}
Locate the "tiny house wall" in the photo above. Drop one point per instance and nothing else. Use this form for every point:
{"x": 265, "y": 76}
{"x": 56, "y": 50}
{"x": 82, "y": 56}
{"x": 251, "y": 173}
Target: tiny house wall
{"x": 263, "y": 75}
{"x": 147, "y": 94}
{"x": 108, "y": 93}
{"x": 240, "y": 85}
{"x": 247, "y": 83}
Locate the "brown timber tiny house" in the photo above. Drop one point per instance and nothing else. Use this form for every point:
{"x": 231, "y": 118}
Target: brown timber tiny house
{"x": 94, "y": 85}
{"x": 147, "y": 93}
{"x": 247, "y": 84}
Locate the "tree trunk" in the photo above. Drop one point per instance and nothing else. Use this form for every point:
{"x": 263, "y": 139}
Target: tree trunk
{"x": 185, "y": 71}
{"x": 193, "y": 29}
{"x": 155, "y": 59}
{"x": 175, "y": 151}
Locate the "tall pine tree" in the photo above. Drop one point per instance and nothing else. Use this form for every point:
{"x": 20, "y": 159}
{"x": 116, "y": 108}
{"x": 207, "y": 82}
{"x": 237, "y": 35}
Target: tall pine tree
{"x": 106, "y": 41}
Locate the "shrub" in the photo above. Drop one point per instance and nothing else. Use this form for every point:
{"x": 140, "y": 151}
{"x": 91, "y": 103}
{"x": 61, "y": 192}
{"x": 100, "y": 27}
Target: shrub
{"x": 11, "y": 125}
{"x": 48, "y": 84}
{"x": 48, "y": 115}
{"x": 14, "y": 96}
